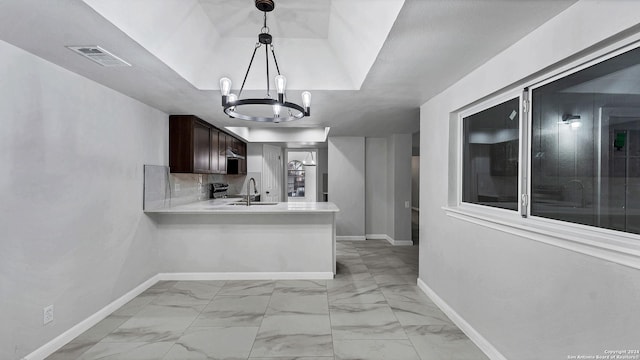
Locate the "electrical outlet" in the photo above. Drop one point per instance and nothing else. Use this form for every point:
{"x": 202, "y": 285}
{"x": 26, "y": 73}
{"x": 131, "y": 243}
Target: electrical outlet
{"x": 47, "y": 315}
{"x": 407, "y": 204}
{"x": 176, "y": 187}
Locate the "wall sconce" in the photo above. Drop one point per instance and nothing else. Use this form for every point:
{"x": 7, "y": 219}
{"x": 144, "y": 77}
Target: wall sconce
{"x": 571, "y": 120}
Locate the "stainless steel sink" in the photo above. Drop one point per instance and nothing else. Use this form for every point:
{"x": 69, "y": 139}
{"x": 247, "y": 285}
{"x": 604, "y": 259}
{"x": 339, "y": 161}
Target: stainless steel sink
{"x": 253, "y": 203}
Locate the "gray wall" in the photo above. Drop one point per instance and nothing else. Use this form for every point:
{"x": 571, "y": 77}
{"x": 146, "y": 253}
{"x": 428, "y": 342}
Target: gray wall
{"x": 415, "y": 170}
{"x": 415, "y": 182}
{"x": 399, "y": 186}
{"x": 376, "y": 187}
{"x": 323, "y": 168}
{"x": 528, "y": 299}
{"x": 74, "y": 234}
{"x": 346, "y": 184}
{"x": 388, "y": 186}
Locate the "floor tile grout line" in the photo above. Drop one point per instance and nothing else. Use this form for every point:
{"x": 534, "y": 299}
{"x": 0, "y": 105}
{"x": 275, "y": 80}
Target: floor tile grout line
{"x": 264, "y": 315}
{"x": 175, "y": 343}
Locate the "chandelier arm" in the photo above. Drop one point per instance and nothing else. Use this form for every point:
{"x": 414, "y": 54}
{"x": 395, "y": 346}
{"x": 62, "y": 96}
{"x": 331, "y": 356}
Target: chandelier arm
{"x": 281, "y": 97}
{"x": 249, "y": 68}
{"x": 274, "y": 59}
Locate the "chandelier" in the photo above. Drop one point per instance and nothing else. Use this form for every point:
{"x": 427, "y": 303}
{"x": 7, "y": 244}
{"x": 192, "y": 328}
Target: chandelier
{"x": 281, "y": 109}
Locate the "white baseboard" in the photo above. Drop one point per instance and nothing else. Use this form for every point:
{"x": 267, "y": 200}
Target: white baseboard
{"x": 350, "y": 238}
{"x": 391, "y": 240}
{"x": 401, "y": 242}
{"x": 377, "y": 237}
{"x": 64, "y": 338}
{"x": 247, "y": 276}
{"x": 466, "y": 328}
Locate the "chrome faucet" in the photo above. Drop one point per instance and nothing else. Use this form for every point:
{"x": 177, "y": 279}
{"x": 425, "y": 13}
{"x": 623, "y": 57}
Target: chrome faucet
{"x": 255, "y": 190}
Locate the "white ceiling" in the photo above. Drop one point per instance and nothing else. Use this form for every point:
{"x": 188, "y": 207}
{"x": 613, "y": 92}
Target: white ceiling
{"x": 296, "y": 19}
{"x": 169, "y": 29}
{"x": 430, "y": 45}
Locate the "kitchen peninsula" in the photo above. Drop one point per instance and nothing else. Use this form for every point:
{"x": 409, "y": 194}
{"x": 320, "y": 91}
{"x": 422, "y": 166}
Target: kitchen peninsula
{"x": 216, "y": 239}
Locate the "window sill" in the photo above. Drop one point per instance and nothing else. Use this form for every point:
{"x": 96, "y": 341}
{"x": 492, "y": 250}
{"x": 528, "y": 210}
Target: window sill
{"x": 620, "y": 248}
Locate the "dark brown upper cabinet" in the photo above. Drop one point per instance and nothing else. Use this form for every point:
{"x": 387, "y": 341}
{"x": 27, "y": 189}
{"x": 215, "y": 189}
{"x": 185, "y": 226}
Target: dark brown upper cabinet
{"x": 222, "y": 152}
{"x": 237, "y": 164}
{"x": 189, "y": 145}
{"x": 197, "y": 147}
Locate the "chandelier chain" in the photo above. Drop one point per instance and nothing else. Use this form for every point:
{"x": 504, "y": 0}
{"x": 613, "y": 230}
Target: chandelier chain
{"x": 266, "y": 58}
{"x": 266, "y": 53}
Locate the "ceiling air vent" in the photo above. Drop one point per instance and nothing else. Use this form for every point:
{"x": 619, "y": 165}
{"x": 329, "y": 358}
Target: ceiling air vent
{"x": 99, "y": 55}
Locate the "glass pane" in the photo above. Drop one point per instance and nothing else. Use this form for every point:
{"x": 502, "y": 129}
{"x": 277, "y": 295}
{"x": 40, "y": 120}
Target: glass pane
{"x": 295, "y": 179}
{"x": 586, "y": 146}
{"x": 490, "y": 156}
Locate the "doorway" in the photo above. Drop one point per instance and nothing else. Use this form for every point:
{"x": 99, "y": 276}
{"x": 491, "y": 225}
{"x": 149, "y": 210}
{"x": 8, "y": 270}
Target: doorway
{"x": 301, "y": 177}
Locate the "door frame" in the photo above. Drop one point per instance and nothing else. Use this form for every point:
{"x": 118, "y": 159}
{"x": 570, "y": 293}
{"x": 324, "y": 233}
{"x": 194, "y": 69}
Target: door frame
{"x": 285, "y": 173}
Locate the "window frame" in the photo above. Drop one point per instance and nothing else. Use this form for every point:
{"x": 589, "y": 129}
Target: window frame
{"x": 475, "y": 109}
{"x": 560, "y": 224}
{"x": 612, "y": 245}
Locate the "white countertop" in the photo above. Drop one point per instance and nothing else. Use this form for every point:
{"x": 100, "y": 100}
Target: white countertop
{"x": 221, "y": 206}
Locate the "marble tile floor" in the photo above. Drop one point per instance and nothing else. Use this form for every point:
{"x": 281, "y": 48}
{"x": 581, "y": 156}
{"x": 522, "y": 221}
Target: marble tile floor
{"x": 371, "y": 310}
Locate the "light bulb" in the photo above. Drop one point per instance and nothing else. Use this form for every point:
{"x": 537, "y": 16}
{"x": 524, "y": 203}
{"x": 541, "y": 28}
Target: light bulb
{"x": 276, "y": 110}
{"x": 281, "y": 83}
{"x": 306, "y": 99}
{"x": 225, "y": 86}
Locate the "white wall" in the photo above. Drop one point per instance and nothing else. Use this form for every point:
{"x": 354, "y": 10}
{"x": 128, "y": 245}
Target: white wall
{"x": 346, "y": 184}
{"x": 376, "y": 186}
{"x": 530, "y": 300}
{"x": 73, "y": 231}
{"x": 254, "y": 158}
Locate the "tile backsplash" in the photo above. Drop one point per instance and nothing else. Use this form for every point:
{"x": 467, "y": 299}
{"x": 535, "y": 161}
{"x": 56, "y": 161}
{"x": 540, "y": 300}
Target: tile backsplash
{"x": 163, "y": 189}
{"x": 186, "y": 188}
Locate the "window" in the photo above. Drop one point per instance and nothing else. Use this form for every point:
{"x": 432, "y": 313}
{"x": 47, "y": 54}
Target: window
{"x": 491, "y": 155}
{"x": 585, "y": 146}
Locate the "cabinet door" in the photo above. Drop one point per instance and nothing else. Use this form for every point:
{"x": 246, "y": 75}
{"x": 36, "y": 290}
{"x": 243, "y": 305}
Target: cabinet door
{"x": 236, "y": 146}
{"x": 215, "y": 151}
{"x": 222, "y": 153}
{"x": 243, "y": 162}
{"x": 201, "y": 148}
